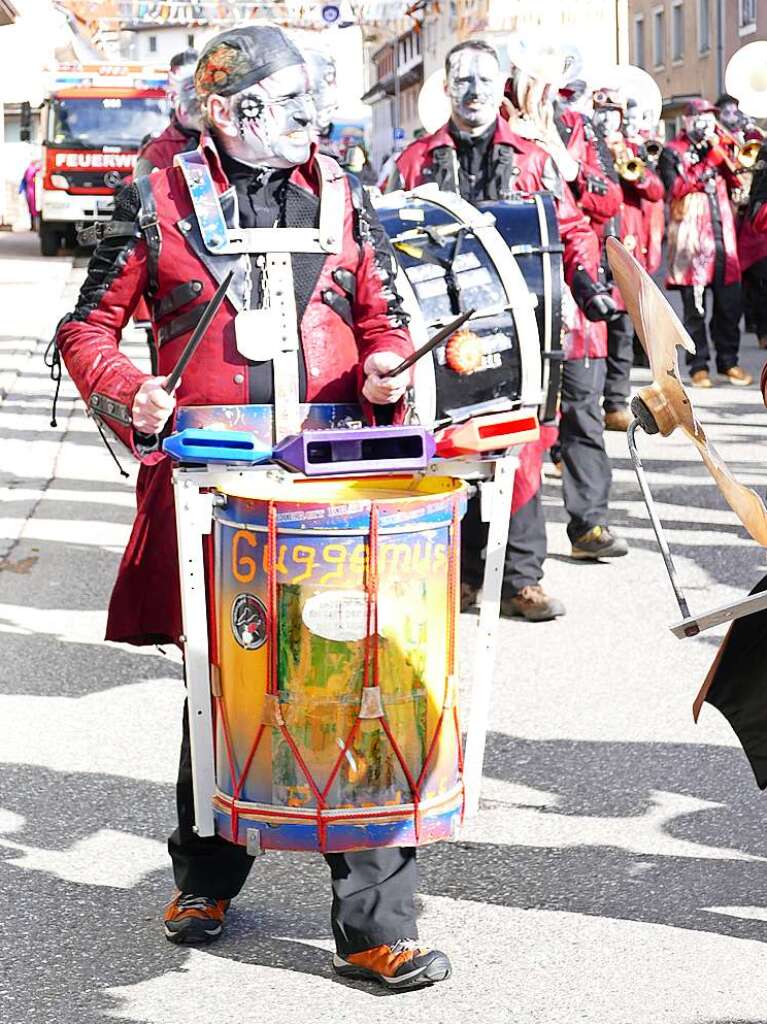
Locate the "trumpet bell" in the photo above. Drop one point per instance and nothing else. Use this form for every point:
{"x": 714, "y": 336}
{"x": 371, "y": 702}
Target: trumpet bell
{"x": 748, "y": 154}
{"x": 746, "y": 78}
{"x": 653, "y": 148}
{"x": 632, "y": 169}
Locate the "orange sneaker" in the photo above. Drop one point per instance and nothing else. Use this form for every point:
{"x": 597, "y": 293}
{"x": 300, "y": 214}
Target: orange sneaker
{"x": 191, "y": 919}
{"x": 738, "y": 376}
{"x": 404, "y": 965}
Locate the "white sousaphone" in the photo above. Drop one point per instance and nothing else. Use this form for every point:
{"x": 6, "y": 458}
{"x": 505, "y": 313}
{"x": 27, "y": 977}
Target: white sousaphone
{"x": 746, "y": 78}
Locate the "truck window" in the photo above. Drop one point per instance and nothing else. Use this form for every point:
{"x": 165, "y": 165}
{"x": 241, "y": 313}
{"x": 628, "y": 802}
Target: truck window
{"x": 92, "y": 123}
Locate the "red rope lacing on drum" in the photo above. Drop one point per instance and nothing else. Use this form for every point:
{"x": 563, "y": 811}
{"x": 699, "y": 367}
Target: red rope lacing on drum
{"x": 373, "y": 647}
{"x": 452, "y": 574}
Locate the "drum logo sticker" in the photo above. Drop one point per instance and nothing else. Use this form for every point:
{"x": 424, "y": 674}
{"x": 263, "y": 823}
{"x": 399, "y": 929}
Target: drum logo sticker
{"x": 249, "y": 621}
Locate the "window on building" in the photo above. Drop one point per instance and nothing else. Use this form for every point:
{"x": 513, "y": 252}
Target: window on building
{"x": 152, "y": 44}
{"x": 704, "y": 26}
{"x": 677, "y": 31}
{"x": 190, "y": 40}
{"x": 659, "y": 38}
{"x": 639, "y": 52}
{"x": 747, "y": 14}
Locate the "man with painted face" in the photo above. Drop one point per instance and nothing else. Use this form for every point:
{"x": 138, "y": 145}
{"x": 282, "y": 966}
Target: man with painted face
{"x": 258, "y": 167}
{"x": 478, "y": 155}
{"x": 183, "y": 132}
{"x": 322, "y": 82}
{"x": 702, "y": 242}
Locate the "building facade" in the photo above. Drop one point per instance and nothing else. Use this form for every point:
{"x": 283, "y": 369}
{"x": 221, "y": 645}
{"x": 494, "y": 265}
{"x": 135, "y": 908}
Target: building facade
{"x": 686, "y": 44}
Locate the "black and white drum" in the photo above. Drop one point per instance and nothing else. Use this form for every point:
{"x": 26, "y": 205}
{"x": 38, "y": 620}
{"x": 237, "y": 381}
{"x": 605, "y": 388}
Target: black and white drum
{"x": 502, "y": 260}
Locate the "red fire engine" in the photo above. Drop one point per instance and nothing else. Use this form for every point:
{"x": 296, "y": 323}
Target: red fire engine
{"x": 95, "y": 120}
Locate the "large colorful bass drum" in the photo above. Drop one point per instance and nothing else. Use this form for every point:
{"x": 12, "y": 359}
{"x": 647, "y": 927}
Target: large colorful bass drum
{"x": 502, "y": 259}
{"x": 333, "y": 617}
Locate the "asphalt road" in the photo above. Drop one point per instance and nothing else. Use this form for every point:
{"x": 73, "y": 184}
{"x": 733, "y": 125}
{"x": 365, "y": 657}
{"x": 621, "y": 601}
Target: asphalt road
{"x": 616, "y": 873}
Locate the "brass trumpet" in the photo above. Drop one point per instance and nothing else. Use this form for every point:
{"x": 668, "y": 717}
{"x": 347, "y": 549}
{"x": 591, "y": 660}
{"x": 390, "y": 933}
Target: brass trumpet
{"x": 628, "y": 166}
{"x": 631, "y": 168}
{"x": 747, "y": 154}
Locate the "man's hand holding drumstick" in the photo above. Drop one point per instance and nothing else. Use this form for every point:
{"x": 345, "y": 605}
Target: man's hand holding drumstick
{"x": 152, "y": 406}
{"x": 378, "y": 388}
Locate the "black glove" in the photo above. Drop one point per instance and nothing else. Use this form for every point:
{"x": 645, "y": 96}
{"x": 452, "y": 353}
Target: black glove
{"x": 593, "y": 298}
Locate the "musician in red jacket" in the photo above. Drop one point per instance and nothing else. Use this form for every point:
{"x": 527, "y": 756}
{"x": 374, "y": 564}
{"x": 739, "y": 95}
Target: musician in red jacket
{"x": 702, "y": 244}
{"x": 479, "y": 156}
{"x": 183, "y": 132}
{"x": 752, "y": 248}
{"x": 638, "y": 184}
{"x": 257, "y": 169}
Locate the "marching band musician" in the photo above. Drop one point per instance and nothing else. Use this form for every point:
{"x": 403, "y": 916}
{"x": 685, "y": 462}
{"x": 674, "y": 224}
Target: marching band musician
{"x": 257, "y": 157}
{"x": 638, "y": 184}
{"x": 183, "y": 132}
{"x": 752, "y": 249}
{"x": 477, "y": 155}
{"x": 535, "y": 72}
{"x": 699, "y": 177}
{"x": 640, "y": 137}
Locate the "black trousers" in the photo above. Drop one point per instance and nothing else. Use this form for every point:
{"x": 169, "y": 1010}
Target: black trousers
{"x": 586, "y": 473}
{"x": 755, "y": 297}
{"x": 525, "y": 546}
{"x": 724, "y": 325}
{"x": 620, "y": 358}
{"x": 373, "y": 890}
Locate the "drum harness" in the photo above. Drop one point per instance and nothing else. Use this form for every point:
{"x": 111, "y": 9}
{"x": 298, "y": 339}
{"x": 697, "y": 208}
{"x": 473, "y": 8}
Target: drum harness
{"x": 271, "y": 331}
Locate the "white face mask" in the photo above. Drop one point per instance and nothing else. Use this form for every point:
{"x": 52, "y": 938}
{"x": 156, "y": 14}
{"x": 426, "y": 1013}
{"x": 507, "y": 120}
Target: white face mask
{"x": 700, "y": 126}
{"x": 322, "y": 79}
{"x": 607, "y": 121}
{"x": 475, "y": 87}
{"x": 186, "y": 104}
{"x": 269, "y": 123}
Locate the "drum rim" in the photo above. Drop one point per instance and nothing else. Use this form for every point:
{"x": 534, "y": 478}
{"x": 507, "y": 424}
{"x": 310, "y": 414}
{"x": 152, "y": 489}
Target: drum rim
{"x": 331, "y": 490}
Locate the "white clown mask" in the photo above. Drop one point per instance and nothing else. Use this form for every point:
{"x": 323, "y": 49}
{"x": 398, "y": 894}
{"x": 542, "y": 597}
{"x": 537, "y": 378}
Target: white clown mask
{"x": 475, "y": 87}
{"x": 186, "y": 104}
{"x": 267, "y": 124}
{"x": 322, "y": 79}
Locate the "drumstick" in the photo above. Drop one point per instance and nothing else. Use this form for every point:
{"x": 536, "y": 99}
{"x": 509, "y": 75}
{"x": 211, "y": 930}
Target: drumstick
{"x": 198, "y": 333}
{"x": 442, "y": 333}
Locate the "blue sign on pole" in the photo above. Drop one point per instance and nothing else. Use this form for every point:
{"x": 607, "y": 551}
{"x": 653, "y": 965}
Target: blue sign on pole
{"x": 330, "y": 13}
{"x": 399, "y": 134}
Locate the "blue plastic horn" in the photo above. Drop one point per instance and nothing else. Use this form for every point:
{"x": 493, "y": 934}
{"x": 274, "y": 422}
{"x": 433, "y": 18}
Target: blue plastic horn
{"x": 215, "y": 446}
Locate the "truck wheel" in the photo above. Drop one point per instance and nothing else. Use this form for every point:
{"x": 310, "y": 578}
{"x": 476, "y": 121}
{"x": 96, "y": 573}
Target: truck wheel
{"x": 49, "y": 240}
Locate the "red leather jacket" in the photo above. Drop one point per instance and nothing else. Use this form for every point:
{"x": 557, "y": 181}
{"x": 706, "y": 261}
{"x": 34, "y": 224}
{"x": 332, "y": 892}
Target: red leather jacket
{"x": 159, "y": 152}
{"x": 336, "y": 338}
{"x": 701, "y": 222}
{"x": 531, "y": 171}
{"x": 752, "y": 238}
{"x": 597, "y": 194}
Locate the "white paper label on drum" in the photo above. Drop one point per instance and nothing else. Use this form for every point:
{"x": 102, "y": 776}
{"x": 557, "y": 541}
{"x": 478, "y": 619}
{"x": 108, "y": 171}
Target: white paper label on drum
{"x": 415, "y": 214}
{"x": 256, "y": 333}
{"x": 337, "y": 615}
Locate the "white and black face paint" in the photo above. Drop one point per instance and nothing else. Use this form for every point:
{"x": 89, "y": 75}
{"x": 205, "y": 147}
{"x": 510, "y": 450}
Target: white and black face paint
{"x": 322, "y": 79}
{"x": 731, "y": 117}
{"x": 268, "y": 124}
{"x": 474, "y": 87}
{"x": 701, "y": 126}
{"x": 607, "y": 121}
{"x": 186, "y": 104}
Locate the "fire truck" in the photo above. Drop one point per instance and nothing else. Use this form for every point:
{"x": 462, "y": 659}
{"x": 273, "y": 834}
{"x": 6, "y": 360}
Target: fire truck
{"x": 95, "y": 119}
